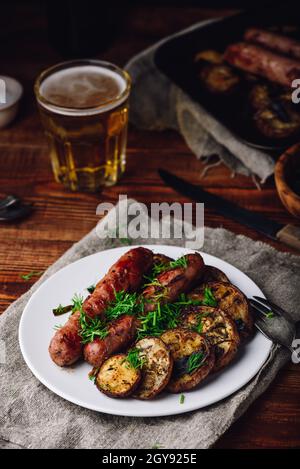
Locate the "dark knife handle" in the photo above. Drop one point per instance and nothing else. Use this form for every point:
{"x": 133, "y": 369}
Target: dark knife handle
{"x": 290, "y": 235}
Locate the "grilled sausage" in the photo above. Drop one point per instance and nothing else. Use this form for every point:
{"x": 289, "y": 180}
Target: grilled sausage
{"x": 254, "y": 59}
{"x": 277, "y": 42}
{"x": 173, "y": 282}
{"x": 121, "y": 333}
{"x": 126, "y": 274}
{"x": 169, "y": 286}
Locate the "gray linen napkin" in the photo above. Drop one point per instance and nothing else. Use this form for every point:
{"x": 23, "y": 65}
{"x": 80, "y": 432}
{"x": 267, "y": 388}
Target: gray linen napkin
{"x": 157, "y": 104}
{"x": 33, "y": 417}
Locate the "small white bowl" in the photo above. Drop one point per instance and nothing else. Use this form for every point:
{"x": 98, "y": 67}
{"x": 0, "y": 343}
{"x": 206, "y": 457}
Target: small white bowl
{"x": 11, "y": 92}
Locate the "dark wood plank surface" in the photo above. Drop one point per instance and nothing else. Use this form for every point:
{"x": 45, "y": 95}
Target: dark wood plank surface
{"x": 61, "y": 218}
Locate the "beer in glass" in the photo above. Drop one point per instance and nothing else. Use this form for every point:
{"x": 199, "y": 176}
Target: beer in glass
{"x": 84, "y": 109}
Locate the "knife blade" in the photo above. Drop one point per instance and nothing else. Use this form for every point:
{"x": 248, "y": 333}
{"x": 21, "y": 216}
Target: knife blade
{"x": 289, "y": 234}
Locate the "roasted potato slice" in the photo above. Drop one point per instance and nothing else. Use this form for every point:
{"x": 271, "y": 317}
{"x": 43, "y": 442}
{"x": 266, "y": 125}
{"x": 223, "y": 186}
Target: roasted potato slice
{"x": 116, "y": 377}
{"x": 157, "y": 368}
{"x": 193, "y": 358}
{"x": 230, "y": 300}
{"x": 213, "y": 274}
{"x": 218, "y": 328}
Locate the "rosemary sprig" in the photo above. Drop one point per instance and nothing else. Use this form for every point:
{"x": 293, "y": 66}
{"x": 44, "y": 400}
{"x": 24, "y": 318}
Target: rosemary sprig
{"x": 195, "y": 361}
{"x": 135, "y": 359}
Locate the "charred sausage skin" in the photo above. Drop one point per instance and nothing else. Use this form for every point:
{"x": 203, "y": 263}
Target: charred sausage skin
{"x": 120, "y": 334}
{"x": 259, "y": 61}
{"x": 171, "y": 284}
{"x": 126, "y": 274}
{"x": 277, "y": 42}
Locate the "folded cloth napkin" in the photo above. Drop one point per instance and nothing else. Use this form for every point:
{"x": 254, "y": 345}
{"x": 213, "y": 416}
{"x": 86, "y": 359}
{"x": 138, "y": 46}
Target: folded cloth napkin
{"x": 157, "y": 104}
{"x": 31, "y": 416}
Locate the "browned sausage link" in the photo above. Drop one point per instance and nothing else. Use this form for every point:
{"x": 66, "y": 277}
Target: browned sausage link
{"x": 126, "y": 274}
{"x": 259, "y": 61}
{"x": 277, "y": 42}
{"x": 121, "y": 333}
{"x": 173, "y": 282}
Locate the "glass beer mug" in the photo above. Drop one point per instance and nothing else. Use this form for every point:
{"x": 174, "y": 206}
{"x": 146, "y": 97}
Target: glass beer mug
{"x": 84, "y": 109}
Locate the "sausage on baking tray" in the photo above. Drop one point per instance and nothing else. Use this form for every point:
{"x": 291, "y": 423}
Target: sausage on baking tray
{"x": 126, "y": 274}
{"x": 259, "y": 61}
{"x": 277, "y": 42}
{"x": 121, "y": 332}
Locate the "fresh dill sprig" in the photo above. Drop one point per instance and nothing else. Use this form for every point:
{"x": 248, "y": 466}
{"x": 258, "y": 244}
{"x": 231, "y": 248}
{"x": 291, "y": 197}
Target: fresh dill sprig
{"x": 91, "y": 328}
{"x": 124, "y": 303}
{"x": 165, "y": 316}
{"x": 31, "y": 274}
{"x": 195, "y": 361}
{"x": 61, "y": 309}
{"x": 135, "y": 359}
{"x": 181, "y": 262}
{"x": 164, "y": 266}
{"x": 209, "y": 299}
{"x": 199, "y": 327}
{"x": 269, "y": 315}
{"x": 77, "y": 302}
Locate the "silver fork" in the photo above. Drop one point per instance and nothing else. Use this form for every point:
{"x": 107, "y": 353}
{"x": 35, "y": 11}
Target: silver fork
{"x": 274, "y": 322}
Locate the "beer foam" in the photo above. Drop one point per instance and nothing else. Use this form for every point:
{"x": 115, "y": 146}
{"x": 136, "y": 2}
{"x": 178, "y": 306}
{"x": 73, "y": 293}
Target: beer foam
{"x": 82, "y": 88}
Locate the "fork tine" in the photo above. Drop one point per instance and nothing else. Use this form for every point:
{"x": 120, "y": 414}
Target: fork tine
{"x": 260, "y": 308}
{"x": 275, "y": 308}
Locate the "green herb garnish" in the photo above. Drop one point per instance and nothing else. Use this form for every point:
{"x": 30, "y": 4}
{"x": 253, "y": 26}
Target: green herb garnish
{"x": 90, "y": 328}
{"x": 195, "y": 361}
{"x": 181, "y": 399}
{"x": 91, "y": 289}
{"x": 31, "y": 274}
{"x": 269, "y": 315}
{"x": 209, "y": 299}
{"x": 62, "y": 309}
{"x": 199, "y": 327}
{"x": 135, "y": 359}
{"x": 124, "y": 303}
{"x": 165, "y": 316}
{"x": 157, "y": 446}
{"x": 77, "y": 302}
{"x": 57, "y": 327}
{"x": 162, "y": 267}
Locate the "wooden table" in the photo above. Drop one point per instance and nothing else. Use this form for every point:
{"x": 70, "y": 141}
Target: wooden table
{"x": 60, "y": 218}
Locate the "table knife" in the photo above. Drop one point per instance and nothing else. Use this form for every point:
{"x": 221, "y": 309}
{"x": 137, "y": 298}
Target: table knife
{"x": 288, "y": 234}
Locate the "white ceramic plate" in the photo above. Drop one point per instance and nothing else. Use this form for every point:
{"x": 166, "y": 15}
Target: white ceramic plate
{"x": 37, "y": 327}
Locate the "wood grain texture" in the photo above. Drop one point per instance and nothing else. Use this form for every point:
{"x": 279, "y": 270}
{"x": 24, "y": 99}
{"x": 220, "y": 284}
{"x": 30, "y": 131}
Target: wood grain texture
{"x": 61, "y": 218}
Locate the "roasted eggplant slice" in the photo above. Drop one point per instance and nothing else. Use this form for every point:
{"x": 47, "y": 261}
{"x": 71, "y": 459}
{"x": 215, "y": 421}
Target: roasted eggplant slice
{"x": 116, "y": 377}
{"x": 193, "y": 358}
{"x": 230, "y": 300}
{"x": 157, "y": 368}
{"x": 213, "y": 274}
{"x": 210, "y": 56}
{"x": 274, "y": 114}
{"x": 218, "y": 328}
